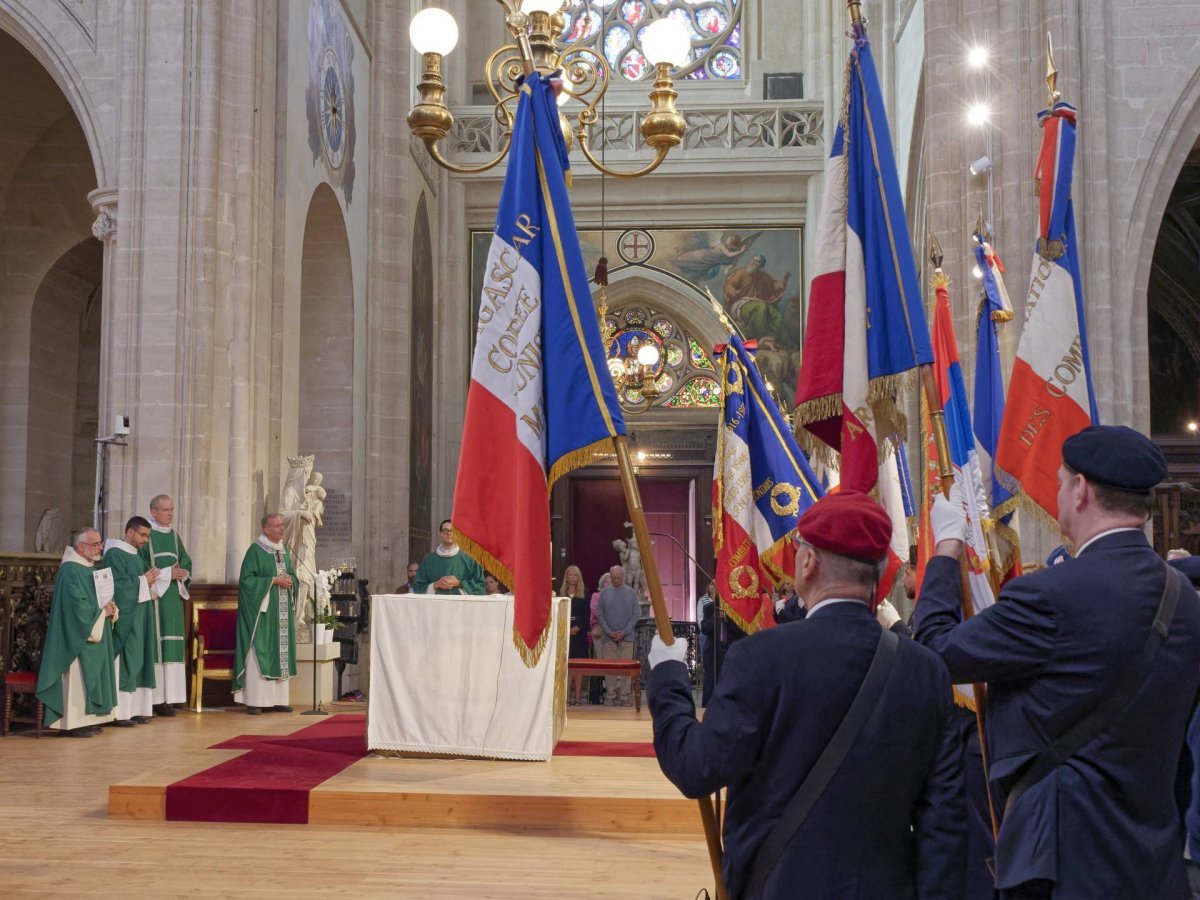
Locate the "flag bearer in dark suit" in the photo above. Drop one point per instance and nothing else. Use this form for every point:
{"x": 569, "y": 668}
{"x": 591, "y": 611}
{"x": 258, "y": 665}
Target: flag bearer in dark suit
{"x": 1069, "y": 652}
{"x": 890, "y": 823}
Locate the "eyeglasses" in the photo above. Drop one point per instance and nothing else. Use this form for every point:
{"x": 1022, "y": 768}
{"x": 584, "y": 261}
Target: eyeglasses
{"x": 447, "y": 530}
{"x": 93, "y": 543}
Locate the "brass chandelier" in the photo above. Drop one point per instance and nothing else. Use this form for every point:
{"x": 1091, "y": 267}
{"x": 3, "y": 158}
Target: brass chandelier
{"x": 586, "y": 76}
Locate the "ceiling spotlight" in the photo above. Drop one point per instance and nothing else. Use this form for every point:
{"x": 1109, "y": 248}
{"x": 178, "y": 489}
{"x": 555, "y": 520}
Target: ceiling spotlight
{"x": 981, "y": 166}
{"x": 977, "y": 57}
{"x": 978, "y": 114}
{"x": 1193, "y": 427}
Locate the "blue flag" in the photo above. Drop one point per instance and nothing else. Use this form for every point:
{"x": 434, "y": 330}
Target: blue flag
{"x": 762, "y": 484}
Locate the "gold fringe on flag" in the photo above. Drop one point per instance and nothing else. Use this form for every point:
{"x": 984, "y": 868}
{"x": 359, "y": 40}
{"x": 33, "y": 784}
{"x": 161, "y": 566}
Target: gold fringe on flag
{"x": 578, "y": 458}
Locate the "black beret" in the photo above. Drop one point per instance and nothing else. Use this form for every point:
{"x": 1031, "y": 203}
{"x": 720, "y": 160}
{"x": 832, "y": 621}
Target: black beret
{"x": 1115, "y": 456}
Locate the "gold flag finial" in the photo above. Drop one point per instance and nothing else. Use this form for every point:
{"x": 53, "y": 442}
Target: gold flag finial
{"x": 981, "y": 225}
{"x": 940, "y": 279}
{"x": 854, "y": 7}
{"x": 1051, "y": 71}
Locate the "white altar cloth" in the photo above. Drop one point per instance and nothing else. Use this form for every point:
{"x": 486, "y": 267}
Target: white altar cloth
{"x": 446, "y": 678}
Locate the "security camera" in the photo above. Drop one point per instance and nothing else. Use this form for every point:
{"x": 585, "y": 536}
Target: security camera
{"x": 121, "y": 426}
{"x": 981, "y": 166}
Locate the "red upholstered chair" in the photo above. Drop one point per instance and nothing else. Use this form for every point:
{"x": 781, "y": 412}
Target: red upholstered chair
{"x": 33, "y": 595}
{"x": 214, "y": 638}
{"x": 19, "y": 683}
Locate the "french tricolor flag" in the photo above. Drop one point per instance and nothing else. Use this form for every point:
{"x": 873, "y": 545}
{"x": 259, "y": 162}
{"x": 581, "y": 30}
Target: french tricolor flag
{"x": 541, "y": 401}
{"x": 866, "y": 326}
{"x": 1050, "y": 394}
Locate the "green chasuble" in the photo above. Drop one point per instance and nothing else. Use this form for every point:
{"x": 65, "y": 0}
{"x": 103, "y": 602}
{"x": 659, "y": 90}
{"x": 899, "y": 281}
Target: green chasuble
{"x": 73, "y": 615}
{"x": 468, "y": 572}
{"x": 163, "y": 550}
{"x": 135, "y": 637}
{"x": 271, "y": 631}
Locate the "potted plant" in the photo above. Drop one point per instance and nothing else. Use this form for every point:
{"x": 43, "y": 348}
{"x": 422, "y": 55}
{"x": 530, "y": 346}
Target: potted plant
{"x": 330, "y": 622}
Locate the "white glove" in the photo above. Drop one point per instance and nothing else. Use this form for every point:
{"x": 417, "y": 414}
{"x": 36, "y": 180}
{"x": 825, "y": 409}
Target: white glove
{"x": 948, "y": 517}
{"x": 660, "y": 652}
{"x": 886, "y": 615}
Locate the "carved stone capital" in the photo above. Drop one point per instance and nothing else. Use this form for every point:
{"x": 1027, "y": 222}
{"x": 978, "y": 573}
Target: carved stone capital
{"x": 104, "y": 203}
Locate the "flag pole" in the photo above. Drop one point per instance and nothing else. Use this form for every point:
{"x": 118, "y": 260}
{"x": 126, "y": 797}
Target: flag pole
{"x": 937, "y": 419}
{"x": 662, "y": 620}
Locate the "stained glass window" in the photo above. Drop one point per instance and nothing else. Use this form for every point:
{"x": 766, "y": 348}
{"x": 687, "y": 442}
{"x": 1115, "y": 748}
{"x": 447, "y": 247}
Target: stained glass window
{"x": 682, "y": 376}
{"x": 615, "y": 28}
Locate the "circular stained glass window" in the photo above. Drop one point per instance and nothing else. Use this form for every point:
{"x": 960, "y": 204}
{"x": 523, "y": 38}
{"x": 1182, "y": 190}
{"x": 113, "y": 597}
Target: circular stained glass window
{"x": 615, "y": 28}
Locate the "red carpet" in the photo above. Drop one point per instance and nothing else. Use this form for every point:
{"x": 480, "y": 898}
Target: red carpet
{"x": 269, "y": 784}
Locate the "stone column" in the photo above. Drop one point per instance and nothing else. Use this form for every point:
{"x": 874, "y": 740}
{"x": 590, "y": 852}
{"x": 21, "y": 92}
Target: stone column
{"x": 103, "y": 201}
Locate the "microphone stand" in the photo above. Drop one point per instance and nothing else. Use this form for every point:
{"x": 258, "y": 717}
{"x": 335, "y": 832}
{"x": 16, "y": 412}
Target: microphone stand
{"x": 317, "y": 708}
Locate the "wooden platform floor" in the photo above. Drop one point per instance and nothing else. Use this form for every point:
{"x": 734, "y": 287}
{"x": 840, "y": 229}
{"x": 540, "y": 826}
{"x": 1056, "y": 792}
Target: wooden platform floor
{"x": 59, "y": 840}
{"x": 569, "y": 793}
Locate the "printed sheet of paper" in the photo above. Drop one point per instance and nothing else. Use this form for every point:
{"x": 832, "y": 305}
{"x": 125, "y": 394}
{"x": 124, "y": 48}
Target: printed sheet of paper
{"x": 104, "y": 586}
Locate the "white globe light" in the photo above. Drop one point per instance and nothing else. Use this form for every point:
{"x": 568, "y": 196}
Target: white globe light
{"x": 978, "y": 114}
{"x": 648, "y": 355}
{"x": 977, "y": 273}
{"x": 666, "y": 41}
{"x": 550, "y": 7}
{"x": 977, "y": 57}
{"x": 433, "y": 30}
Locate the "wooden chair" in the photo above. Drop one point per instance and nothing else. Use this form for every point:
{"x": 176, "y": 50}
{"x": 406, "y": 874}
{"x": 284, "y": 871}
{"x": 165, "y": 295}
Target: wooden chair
{"x": 26, "y": 586}
{"x": 214, "y": 639}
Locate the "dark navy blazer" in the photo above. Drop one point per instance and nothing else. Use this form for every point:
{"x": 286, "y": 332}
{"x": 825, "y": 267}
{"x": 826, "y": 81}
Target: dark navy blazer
{"x": 891, "y": 823}
{"x": 1105, "y": 823}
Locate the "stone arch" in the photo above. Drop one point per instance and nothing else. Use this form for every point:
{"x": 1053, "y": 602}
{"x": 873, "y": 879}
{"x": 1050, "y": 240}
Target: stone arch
{"x": 325, "y": 379}
{"x": 1178, "y": 139}
{"x": 36, "y": 40}
{"x": 46, "y": 265}
{"x": 64, "y": 389}
{"x": 671, "y": 295}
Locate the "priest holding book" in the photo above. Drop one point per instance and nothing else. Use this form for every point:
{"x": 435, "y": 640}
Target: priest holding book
{"x": 76, "y": 682}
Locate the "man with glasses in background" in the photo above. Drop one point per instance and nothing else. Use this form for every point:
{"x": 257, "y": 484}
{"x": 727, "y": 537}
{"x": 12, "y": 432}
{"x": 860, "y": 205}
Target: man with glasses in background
{"x": 448, "y": 569}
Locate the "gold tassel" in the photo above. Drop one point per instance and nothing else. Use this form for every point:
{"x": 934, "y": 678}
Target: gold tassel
{"x": 577, "y": 459}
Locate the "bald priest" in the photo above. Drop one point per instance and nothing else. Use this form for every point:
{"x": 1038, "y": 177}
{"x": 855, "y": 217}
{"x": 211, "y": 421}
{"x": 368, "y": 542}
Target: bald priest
{"x": 77, "y": 679}
{"x": 265, "y": 656}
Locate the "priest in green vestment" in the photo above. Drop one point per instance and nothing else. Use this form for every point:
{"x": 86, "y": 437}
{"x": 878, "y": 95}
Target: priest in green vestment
{"x": 76, "y": 682}
{"x": 448, "y": 569}
{"x": 165, "y": 552}
{"x": 135, "y": 638}
{"x": 266, "y": 632}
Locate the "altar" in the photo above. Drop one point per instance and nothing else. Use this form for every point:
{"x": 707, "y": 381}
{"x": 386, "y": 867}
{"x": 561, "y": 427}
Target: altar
{"x": 447, "y": 680}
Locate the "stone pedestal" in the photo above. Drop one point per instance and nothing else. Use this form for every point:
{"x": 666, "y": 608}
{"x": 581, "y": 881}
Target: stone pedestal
{"x": 301, "y": 687}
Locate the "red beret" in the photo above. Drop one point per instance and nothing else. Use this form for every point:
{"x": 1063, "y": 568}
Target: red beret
{"x": 849, "y": 524}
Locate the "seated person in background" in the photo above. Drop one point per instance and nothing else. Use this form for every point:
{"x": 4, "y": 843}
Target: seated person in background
{"x": 407, "y": 587}
{"x": 448, "y": 569}
{"x": 493, "y": 585}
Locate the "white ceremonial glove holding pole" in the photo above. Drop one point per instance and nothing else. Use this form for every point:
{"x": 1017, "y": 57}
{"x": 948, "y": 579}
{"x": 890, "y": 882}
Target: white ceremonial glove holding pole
{"x": 886, "y": 615}
{"x": 948, "y": 521}
{"x": 660, "y": 652}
